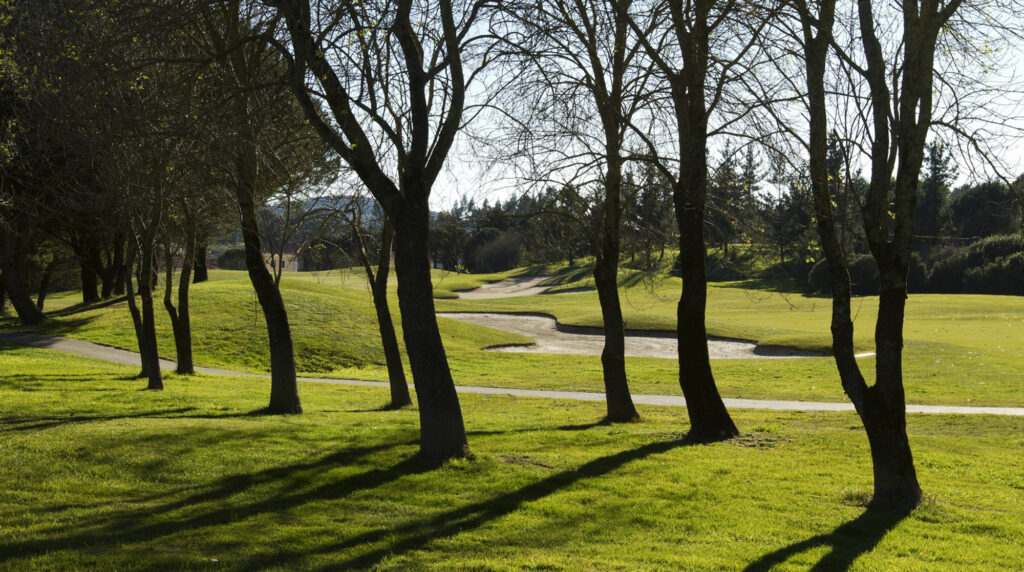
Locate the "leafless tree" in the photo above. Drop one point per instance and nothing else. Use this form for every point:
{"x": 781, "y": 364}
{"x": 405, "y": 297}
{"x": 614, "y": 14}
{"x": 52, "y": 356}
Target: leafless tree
{"x": 392, "y": 75}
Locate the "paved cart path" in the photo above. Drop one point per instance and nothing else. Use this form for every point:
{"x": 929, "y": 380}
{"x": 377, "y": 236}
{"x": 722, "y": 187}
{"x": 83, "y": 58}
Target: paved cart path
{"x": 89, "y": 349}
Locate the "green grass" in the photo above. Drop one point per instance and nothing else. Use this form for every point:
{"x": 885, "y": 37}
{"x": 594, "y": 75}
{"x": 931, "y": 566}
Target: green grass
{"x": 332, "y": 327}
{"x": 960, "y": 349}
{"x": 99, "y": 475}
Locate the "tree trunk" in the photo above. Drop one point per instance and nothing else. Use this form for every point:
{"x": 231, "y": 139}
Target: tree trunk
{"x": 442, "y": 432}
{"x": 379, "y": 285}
{"x": 44, "y": 284}
{"x": 709, "y": 419}
{"x": 201, "y": 274}
{"x": 3, "y": 293}
{"x": 112, "y": 272}
{"x": 133, "y": 310}
{"x": 90, "y": 292}
{"x": 881, "y": 407}
{"x": 121, "y": 277}
{"x": 181, "y": 321}
{"x": 145, "y": 321}
{"x": 392, "y": 355}
{"x": 613, "y": 362}
{"x": 284, "y": 389}
{"x": 12, "y": 262}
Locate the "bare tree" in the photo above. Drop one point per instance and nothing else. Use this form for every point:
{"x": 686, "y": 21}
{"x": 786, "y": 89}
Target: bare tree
{"x": 377, "y": 280}
{"x": 580, "y": 88}
{"x": 391, "y": 74}
{"x": 701, "y": 51}
{"x": 262, "y": 127}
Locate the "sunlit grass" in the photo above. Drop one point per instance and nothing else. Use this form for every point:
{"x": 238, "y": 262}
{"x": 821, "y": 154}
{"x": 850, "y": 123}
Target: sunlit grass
{"x": 99, "y": 475}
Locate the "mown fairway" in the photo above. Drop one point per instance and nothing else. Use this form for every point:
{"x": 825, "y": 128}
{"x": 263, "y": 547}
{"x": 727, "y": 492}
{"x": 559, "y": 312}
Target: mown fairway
{"x": 960, "y": 349}
{"x": 97, "y": 474}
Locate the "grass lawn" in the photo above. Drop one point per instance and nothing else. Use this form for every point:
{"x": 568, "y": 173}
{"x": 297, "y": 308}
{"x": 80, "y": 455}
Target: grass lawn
{"x": 97, "y": 474}
{"x": 960, "y": 350}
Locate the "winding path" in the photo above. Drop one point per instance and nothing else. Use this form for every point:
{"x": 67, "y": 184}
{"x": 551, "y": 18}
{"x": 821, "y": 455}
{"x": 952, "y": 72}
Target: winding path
{"x": 89, "y": 349}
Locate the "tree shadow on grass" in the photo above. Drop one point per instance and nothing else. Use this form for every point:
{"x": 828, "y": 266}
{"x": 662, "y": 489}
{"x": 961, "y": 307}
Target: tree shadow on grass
{"x": 847, "y": 542}
{"x": 214, "y": 507}
{"x": 418, "y": 533}
{"x": 37, "y": 423}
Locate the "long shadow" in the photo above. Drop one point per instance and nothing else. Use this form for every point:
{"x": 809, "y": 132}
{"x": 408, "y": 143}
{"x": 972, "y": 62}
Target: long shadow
{"x": 40, "y": 423}
{"x": 847, "y": 542}
{"x": 32, "y": 423}
{"x": 418, "y": 533}
{"x": 132, "y": 527}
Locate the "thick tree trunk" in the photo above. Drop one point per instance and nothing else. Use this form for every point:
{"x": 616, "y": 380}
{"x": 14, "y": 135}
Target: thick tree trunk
{"x": 709, "y": 419}
{"x": 44, "y": 284}
{"x": 90, "y": 291}
{"x": 606, "y": 273}
{"x": 12, "y": 262}
{"x": 881, "y": 407}
{"x": 3, "y": 294}
{"x": 613, "y": 362}
{"x": 284, "y": 389}
{"x": 442, "y": 432}
{"x": 202, "y": 274}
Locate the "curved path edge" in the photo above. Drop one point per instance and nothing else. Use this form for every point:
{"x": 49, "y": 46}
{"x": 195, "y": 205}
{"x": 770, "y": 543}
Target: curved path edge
{"x": 106, "y": 353}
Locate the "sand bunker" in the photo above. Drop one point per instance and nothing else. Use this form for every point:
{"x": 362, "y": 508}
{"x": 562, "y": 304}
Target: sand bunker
{"x": 519, "y": 286}
{"x": 553, "y": 338}
{"x": 590, "y": 341}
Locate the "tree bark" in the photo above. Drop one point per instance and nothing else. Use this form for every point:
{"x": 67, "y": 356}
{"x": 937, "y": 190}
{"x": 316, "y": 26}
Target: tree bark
{"x": 181, "y": 321}
{"x": 606, "y": 270}
{"x": 13, "y": 265}
{"x": 442, "y": 432}
{"x": 3, "y": 293}
{"x": 379, "y": 288}
{"x": 44, "y": 283}
{"x": 284, "y": 389}
{"x": 145, "y": 321}
{"x": 709, "y": 418}
{"x": 90, "y": 291}
{"x": 201, "y": 273}
{"x": 113, "y": 273}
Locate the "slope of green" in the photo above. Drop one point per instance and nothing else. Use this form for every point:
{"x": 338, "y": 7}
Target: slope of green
{"x": 332, "y": 327}
{"x": 99, "y": 475}
{"x": 960, "y": 350}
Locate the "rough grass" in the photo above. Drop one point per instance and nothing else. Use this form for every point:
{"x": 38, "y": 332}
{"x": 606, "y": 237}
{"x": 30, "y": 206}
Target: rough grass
{"x": 99, "y": 475}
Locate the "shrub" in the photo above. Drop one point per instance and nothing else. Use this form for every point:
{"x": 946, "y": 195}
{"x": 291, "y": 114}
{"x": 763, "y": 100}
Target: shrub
{"x": 975, "y": 268}
{"x": 232, "y": 259}
{"x": 1004, "y": 276}
{"x": 499, "y": 254}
